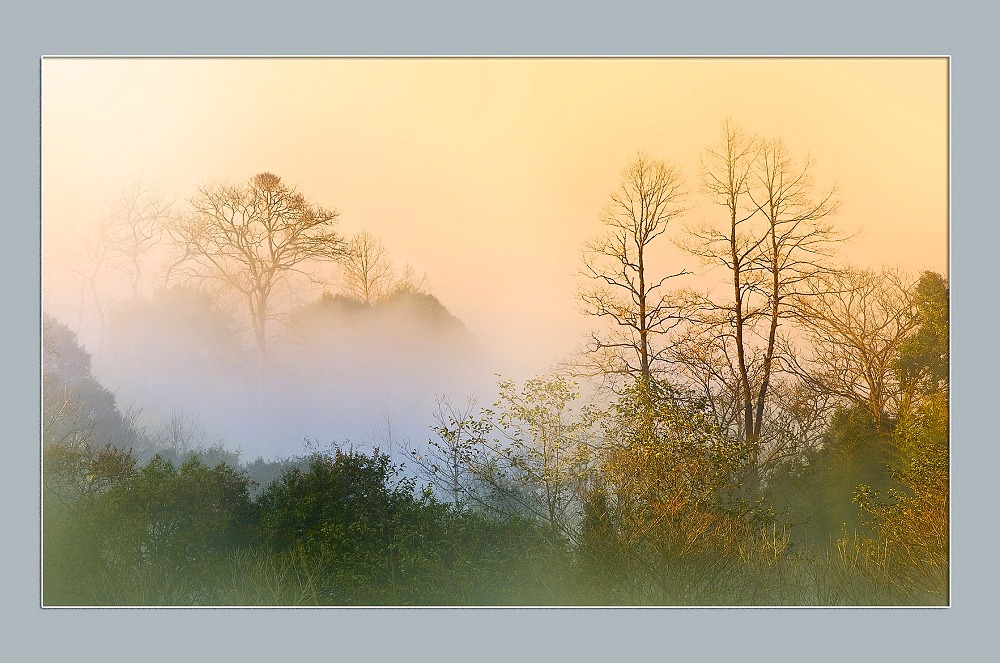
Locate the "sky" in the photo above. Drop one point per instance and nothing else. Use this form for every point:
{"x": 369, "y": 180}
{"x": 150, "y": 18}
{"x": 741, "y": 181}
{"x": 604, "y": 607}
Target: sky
{"x": 490, "y": 174}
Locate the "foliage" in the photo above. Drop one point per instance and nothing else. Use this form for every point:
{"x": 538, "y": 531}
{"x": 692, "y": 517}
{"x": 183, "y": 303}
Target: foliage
{"x": 816, "y": 495}
{"x": 149, "y": 539}
{"x": 421, "y": 311}
{"x": 359, "y": 533}
{"x": 659, "y": 516}
{"x": 527, "y": 456}
{"x": 453, "y": 463}
{"x": 546, "y": 446}
{"x": 923, "y": 358}
{"x": 895, "y": 534}
{"x": 406, "y": 336}
{"x": 262, "y": 473}
{"x": 76, "y": 408}
{"x": 367, "y": 538}
{"x": 911, "y": 520}
{"x": 757, "y": 475}
{"x": 70, "y": 472}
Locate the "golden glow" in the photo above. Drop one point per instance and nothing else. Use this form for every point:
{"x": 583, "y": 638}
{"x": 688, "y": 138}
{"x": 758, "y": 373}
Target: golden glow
{"x": 489, "y": 174}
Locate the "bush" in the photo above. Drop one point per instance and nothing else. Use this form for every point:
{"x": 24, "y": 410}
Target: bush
{"x": 151, "y": 539}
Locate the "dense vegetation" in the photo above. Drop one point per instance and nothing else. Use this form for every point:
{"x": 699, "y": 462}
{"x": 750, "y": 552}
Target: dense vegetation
{"x": 531, "y": 502}
{"x": 783, "y": 440}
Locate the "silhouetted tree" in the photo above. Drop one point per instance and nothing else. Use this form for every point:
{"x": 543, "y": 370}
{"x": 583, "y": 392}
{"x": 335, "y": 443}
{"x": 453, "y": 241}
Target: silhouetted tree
{"x": 629, "y": 292}
{"x": 126, "y": 233}
{"x": 249, "y": 237}
{"x": 91, "y": 267}
{"x": 775, "y": 236}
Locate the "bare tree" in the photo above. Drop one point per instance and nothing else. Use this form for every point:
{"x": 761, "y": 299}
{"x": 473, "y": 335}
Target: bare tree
{"x": 181, "y": 434}
{"x": 795, "y": 423}
{"x": 367, "y": 270}
{"x": 64, "y": 419}
{"x": 775, "y": 236}
{"x": 793, "y": 418}
{"x": 137, "y": 215}
{"x": 249, "y": 237}
{"x": 91, "y": 267}
{"x": 726, "y": 175}
{"x": 410, "y": 281}
{"x": 703, "y": 357}
{"x": 628, "y": 293}
{"x": 799, "y": 240}
{"x": 855, "y": 322}
{"x": 122, "y": 238}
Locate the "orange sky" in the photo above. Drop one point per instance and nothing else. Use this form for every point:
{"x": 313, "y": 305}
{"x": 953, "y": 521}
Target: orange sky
{"x": 489, "y": 174}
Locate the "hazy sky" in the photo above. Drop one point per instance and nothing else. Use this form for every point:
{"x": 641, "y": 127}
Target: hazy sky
{"x": 489, "y": 174}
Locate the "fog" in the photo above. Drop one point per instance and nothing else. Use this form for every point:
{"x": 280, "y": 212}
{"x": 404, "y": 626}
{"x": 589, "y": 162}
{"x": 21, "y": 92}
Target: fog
{"x": 642, "y": 332}
{"x": 337, "y": 371}
{"x": 486, "y": 175}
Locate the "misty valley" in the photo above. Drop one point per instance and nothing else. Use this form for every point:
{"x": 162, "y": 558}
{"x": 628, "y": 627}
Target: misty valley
{"x": 242, "y": 405}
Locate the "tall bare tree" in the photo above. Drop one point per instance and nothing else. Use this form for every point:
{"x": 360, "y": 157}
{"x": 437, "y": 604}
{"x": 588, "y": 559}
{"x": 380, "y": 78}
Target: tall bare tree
{"x": 723, "y": 327}
{"x": 774, "y": 237}
{"x": 799, "y": 242}
{"x": 629, "y": 294}
{"x": 250, "y": 236}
